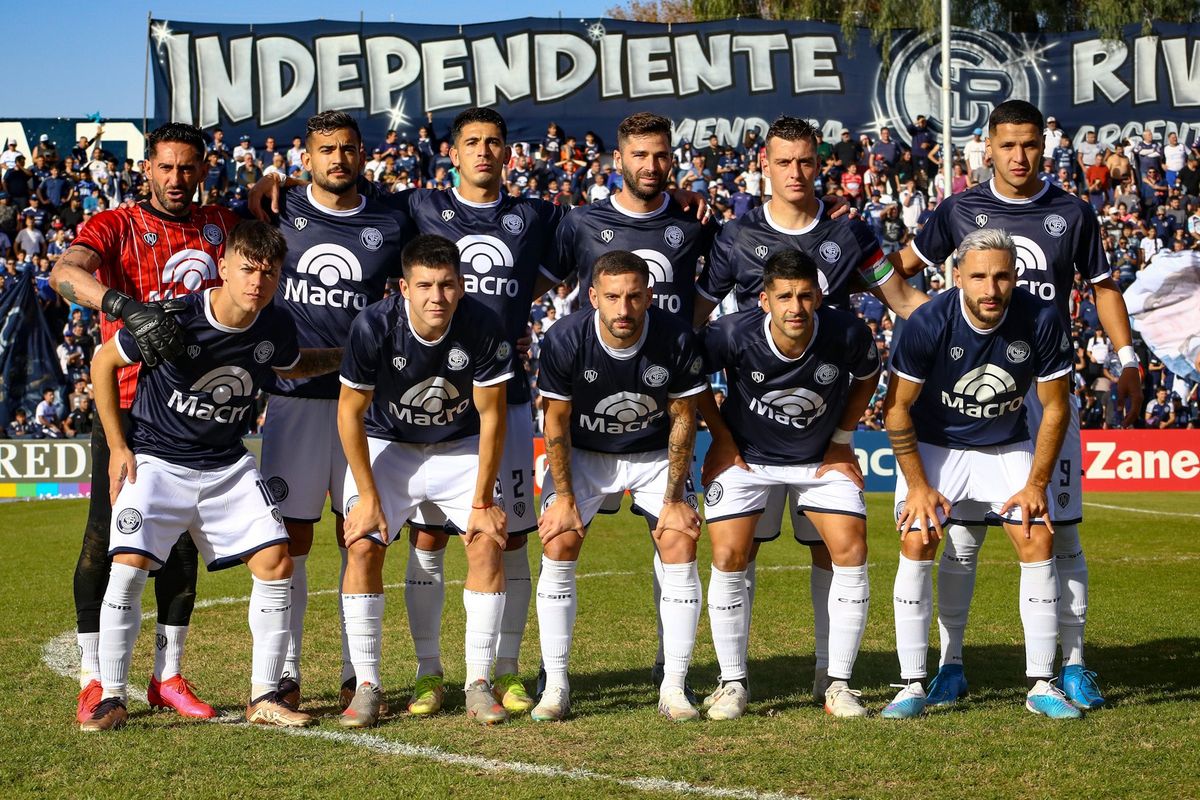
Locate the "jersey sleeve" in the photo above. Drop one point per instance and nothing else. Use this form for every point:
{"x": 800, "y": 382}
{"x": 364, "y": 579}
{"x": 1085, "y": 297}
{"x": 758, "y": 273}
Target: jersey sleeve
{"x": 102, "y": 235}
{"x": 556, "y": 366}
{"x": 873, "y": 267}
{"x": 688, "y": 377}
{"x": 713, "y": 342}
{"x": 863, "y": 355}
{"x": 564, "y": 248}
{"x": 913, "y": 347}
{"x": 934, "y": 243}
{"x": 1053, "y": 346}
{"x": 1091, "y": 262}
{"x": 550, "y": 264}
{"x": 127, "y": 346}
{"x": 287, "y": 351}
{"x": 720, "y": 271}
{"x": 360, "y": 359}
{"x": 493, "y": 354}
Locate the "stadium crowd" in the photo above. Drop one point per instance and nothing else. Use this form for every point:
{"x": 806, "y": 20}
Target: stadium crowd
{"x": 1146, "y": 194}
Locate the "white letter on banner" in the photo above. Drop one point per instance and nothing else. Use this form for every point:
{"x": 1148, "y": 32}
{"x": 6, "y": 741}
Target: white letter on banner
{"x": 1094, "y": 64}
{"x": 181, "y": 77}
{"x": 35, "y": 460}
{"x": 694, "y": 66}
{"x": 611, "y": 48}
{"x": 811, "y": 73}
{"x": 758, "y": 49}
{"x": 277, "y": 103}
{"x": 222, "y": 88}
{"x": 438, "y": 75}
{"x": 645, "y": 63}
{"x": 1145, "y": 69}
{"x": 72, "y": 461}
{"x": 547, "y": 47}
{"x": 385, "y": 80}
{"x": 495, "y": 74}
{"x": 1184, "y": 78}
{"x": 332, "y": 73}
{"x": 8, "y": 454}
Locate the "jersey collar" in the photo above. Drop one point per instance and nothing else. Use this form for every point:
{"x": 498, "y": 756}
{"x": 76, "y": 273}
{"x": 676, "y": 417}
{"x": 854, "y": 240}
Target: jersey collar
{"x": 1012, "y": 201}
{"x": 212, "y": 318}
{"x": 775, "y": 350}
{"x": 793, "y": 231}
{"x": 417, "y": 336}
{"x": 334, "y": 212}
{"x": 662, "y": 207}
{"x": 962, "y": 307}
{"x": 149, "y": 208}
{"x": 471, "y": 204}
{"x": 622, "y": 353}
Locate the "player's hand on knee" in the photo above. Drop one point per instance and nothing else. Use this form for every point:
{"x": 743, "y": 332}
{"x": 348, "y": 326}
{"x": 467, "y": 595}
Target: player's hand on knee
{"x": 1032, "y": 502}
{"x": 489, "y": 522}
{"x": 365, "y": 518}
{"x": 562, "y": 516}
{"x": 722, "y": 454}
{"x": 122, "y": 468}
{"x": 841, "y": 458}
{"x": 924, "y": 508}
{"x": 677, "y": 515}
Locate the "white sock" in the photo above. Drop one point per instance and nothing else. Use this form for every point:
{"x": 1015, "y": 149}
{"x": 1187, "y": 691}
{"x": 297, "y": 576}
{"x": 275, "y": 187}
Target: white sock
{"x": 727, "y": 615}
{"x": 956, "y": 586}
{"x": 347, "y": 666}
{"x": 819, "y": 582}
{"x": 1039, "y": 616}
{"x": 751, "y": 584}
{"x": 89, "y": 657}
{"x": 680, "y": 612}
{"x": 912, "y": 602}
{"x": 849, "y": 600}
{"x": 1072, "y": 570}
{"x": 484, "y": 613}
{"x": 168, "y": 650}
{"x": 364, "y": 633}
{"x": 291, "y": 665}
{"x": 120, "y": 620}
{"x": 556, "y": 606}
{"x": 659, "y": 658}
{"x": 270, "y": 615}
{"x": 518, "y": 587}
{"x": 424, "y": 597}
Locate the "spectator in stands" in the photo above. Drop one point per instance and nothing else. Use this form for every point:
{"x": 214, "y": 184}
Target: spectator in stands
{"x": 49, "y": 416}
{"x": 30, "y": 242}
{"x": 21, "y": 427}
{"x": 78, "y": 424}
{"x": 1160, "y": 412}
{"x": 70, "y": 356}
{"x": 1052, "y": 138}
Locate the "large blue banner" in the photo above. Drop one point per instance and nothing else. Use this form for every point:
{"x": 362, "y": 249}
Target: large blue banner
{"x": 28, "y": 361}
{"x": 724, "y": 77}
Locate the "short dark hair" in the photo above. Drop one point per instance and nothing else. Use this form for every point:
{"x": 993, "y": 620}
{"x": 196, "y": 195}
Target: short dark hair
{"x": 330, "y": 121}
{"x": 620, "y": 262}
{"x": 258, "y": 242}
{"x": 791, "y": 265}
{"x": 643, "y": 123}
{"x": 476, "y": 114}
{"x": 792, "y": 129}
{"x": 429, "y": 250}
{"x": 176, "y": 132}
{"x": 1015, "y": 112}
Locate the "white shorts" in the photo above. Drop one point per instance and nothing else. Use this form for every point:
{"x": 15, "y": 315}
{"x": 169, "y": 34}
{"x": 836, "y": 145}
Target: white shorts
{"x": 976, "y": 482}
{"x": 738, "y": 493}
{"x": 228, "y": 512}
{"x": 770, "y": 524}
{"x": 1065, "y": 491}
{"x": 514, "y": 484}
{"x": 598, "y": 476}
{"x": 407, "y": 475}
{"x": 302, "y": 456}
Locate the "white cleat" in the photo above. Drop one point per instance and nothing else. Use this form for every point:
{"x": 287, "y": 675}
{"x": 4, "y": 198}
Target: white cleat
{"x": 673, "y": 704}
{"x": 554, "y": 705}
{"x": 842, "y": 701}
{"x": 730, "y": 701}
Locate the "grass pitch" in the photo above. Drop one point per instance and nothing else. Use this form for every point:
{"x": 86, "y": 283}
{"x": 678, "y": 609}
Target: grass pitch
{"x": 1143, "y": 639}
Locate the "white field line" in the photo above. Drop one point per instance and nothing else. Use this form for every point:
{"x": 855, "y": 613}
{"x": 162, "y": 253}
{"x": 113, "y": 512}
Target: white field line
{"x": 1142, "y": 510}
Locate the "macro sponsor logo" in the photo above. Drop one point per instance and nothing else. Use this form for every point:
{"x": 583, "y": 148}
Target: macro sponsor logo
{"x": 320, "y": 270}
{"x": 186, "y": 271}
{"x": 623, "y": 412}
{"x": 975, "y": 394}
{"x": 797, "y": 407}
{"x": 223, "y": 386}
{"x": 433, "y": 401}
{"x": 661, "y": 272}
{"x": 479, "y": 255}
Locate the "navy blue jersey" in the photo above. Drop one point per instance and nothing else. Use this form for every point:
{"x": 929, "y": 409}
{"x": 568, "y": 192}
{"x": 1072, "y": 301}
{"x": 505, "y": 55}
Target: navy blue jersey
{"x": 784, "y": 410}
{"x": 1056, "y": 233}
{"x": 672, "y": 242}
{"x": 845, "y": 251}
{"x": 423, "y": 390}
{"x": 619, "y": 398}
{"x": 504, "y": 247}
{"x": 193, "y": 411}
{"x": 974, "y": 382}
{"x": 337, "y": 264}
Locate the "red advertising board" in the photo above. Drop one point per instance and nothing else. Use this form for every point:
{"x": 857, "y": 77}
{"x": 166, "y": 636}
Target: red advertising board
{"x": 1141, "y": 461}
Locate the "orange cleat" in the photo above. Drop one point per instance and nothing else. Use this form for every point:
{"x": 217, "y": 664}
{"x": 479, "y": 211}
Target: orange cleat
{"x": 89, "y": 698}
{"x": 176, "y": 693}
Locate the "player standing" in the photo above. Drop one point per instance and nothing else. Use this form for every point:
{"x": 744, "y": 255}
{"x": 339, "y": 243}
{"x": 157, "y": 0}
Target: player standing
{"x": 421, "y": 418}
{"x": 961, "y": 371}
{"x": 1057, "y": 235}
{"x": 124, "y": 263}
{"x": 620, "y": 384}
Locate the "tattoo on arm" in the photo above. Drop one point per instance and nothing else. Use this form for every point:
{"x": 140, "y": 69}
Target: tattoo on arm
{"x": 315, "y": 361}
{"x": 558, "y": 453}
{"x": 67, "y": 291}
{"x": 679, "y": 446}
{"x": 904, "y": 441}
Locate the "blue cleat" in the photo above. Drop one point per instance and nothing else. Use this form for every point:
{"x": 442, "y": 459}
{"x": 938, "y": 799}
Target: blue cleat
{"x": 909, "y": 702}
{"x": 1047, "y": 700}
{"x": 948, "y": 686}
{"x": 1079, "y": 686}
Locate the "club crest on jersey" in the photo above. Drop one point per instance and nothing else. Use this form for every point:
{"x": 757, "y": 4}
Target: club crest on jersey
{"x": 276, "y": 515}
{"x": 212, "y": 234}
{"x": 830, "y": 251}
{"x": 826, "y": 374}
{"x": 300, "y": 223}
{"x": 696, "y": 366}
{"x": 150, "y": 238}
{"x": 757, "y": 376}
{"x": 371, "y": 238}
{"x": 956, "y": 352}
{"x": 713, "y": 494}
{"x": 761, "y": 251}
{"x": 1017, "y": 352}
{"x": 447, "y": 215}
{"x": 264, "y": 351}
{"x": 981, "y": 219}
{"x": 457, "y": 359}
{"x": 590, "y": 375}
{"x": 519, "y": 508}
{"x": 673, "y": 236}
{"x": 607, "y": 235}
{"x": 655, "y": 376}
{"x": 278, "y": 488}
{"x": 398, "y": 362}
{"x": 1065, "y": 344}
{"x": 351, "y": 503}
{"x": 129, "y": 520}
{"x": 193, "y": 350}
{"x": 1055, "y": 225}
{"x": 1063, "y": 499}
{"x": 503, "y": 350}
{"x": 512, "y": 223}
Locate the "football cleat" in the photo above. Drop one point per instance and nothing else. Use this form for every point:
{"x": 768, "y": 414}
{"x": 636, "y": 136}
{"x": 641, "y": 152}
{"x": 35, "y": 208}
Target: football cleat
{"x": 842, "y": 701}
{"x": 270, "y": 709}
{"x": 820, "y": 684}
{"x": 675, "y": 706}
{"x": 947, "y": 687}
{"x": 289, "y": 692}
{"x": 909, "y": 702}
{"x": 712, "y": 697}
{"x": 658, "y": 672}
{"x": 346, "y": 693}
{"x": 511, "y": 693}
{"x": 554, "y": 705}
{"x": 427, "y": 696}
{"x": 110, "y": 714}
{"x": 89, "y": 698}
{"x": 482, "y": 705}
{"x": 1048, "y": 700}
{"x": 176, "y": 693}
{"x": 364, "y": 710}
{"x": 1079, "y": 685}
{"x": 730, "y": 702}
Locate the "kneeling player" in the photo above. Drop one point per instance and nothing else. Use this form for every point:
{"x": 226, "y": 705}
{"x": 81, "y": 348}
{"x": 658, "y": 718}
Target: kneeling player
{"x": 185, "y": 467}
{"x": 421, "y": 418}
{"x": 799, "y": 377}
{"x": 956, "y": 418}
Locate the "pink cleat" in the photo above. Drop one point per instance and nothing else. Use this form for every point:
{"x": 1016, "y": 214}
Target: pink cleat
{"x": 89, "y": 698}
{"x": 176, "y": 693}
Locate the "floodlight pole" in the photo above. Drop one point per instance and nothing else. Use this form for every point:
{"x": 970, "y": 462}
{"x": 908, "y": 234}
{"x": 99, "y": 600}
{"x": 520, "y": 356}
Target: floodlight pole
{"x": 947, "y": 119}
